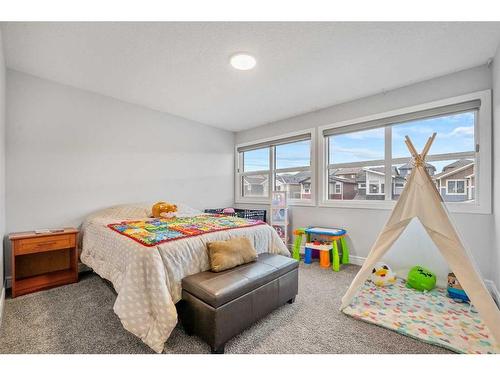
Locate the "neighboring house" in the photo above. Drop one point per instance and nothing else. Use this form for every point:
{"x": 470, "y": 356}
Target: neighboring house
{"x": 348, "y": 173}
{"x": 456, "y": 182}
{"x": 341, "y": 188}
{"x": 371, "y": 183}
{"x": 297, "y": 185}
{"x": 405, "y": 169}
{"x": 255, "y": 186}
{"x": 342, "y": 183}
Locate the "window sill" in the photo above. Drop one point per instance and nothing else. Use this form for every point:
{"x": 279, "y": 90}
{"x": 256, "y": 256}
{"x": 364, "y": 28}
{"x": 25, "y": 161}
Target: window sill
{"x": 464, "y": 208}
{"x": 267, "y": 202}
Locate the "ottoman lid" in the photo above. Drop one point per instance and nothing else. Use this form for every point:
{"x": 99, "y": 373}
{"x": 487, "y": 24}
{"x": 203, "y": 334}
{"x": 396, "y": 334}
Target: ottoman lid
{"x": 218, "y": 288}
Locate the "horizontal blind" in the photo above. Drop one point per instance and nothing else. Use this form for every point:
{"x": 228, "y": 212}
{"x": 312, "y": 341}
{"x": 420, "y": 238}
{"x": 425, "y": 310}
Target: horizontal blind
{"x": 418, "y": 115}
{"x": 281, "y": 141}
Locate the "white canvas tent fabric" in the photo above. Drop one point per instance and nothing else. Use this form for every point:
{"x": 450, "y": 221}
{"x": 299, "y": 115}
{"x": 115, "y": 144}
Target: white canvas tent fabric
{"x": 421, "y": 199}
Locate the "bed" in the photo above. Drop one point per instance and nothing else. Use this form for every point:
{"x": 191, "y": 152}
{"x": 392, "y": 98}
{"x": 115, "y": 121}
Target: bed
{"x": 147, "y": 279}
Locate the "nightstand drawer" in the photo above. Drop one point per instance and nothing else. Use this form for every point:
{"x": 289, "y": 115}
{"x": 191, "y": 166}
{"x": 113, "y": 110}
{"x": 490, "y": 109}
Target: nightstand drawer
{"x": 46, "y": 243}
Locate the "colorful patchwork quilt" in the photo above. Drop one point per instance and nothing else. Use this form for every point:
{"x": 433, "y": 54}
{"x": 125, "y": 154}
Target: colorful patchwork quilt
{"x": 432, "y": 317}
{"x": 157, "y": 231}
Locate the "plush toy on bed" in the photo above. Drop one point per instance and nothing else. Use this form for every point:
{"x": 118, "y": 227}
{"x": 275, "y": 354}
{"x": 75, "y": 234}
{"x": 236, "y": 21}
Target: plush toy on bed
{"x": 382, "y": 275}
{"x": 164, "y": 210}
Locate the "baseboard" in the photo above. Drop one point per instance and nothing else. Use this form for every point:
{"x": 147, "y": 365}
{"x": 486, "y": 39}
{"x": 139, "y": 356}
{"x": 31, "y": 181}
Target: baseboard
{"x": 492, "y": 288}
{"x": 354, "y": 259}
{"x": 2, "y": 303}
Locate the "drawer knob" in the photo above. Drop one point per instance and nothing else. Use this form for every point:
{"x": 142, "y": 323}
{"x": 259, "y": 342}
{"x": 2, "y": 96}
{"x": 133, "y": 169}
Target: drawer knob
{"x": 44, "y": 244}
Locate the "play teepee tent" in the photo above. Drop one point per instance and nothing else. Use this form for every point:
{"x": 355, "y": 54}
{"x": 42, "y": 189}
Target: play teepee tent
{"x": 421, "y": 199}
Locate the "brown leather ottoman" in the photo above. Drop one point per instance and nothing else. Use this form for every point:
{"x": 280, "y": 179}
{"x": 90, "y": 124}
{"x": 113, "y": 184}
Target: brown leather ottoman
{"x": 218, "y": 306}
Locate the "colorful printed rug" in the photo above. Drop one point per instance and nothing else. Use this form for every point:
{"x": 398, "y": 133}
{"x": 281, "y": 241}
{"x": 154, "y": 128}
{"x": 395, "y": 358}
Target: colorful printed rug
{"x": 431, "y": 317}
{"x": 157, "y": 231}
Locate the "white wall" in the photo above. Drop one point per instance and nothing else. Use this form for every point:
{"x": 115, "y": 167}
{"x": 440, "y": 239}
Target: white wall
{"x": 2, "y": 161}
{"x": 70, "y": 152}
{"x": 495, "y": 264}
{"x": 363, "y": 225}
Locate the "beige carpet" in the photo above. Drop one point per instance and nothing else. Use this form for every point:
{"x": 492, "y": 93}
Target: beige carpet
{"x": 79, "y": 318}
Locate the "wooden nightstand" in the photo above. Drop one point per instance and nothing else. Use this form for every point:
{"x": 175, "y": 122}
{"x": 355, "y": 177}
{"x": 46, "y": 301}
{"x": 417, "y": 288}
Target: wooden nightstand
{"x": 42, "y": 261}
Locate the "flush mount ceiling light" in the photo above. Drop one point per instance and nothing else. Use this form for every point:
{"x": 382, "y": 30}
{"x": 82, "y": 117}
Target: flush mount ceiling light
{"x": 243, "y": 61}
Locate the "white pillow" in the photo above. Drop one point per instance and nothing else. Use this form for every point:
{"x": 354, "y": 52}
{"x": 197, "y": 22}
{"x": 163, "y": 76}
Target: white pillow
{"x": 124, "y": 211}
{"x": 137, "y": 211}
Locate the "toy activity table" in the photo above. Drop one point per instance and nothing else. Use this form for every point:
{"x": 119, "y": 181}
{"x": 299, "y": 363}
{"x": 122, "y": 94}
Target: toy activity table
{"x": 325, "y": 243}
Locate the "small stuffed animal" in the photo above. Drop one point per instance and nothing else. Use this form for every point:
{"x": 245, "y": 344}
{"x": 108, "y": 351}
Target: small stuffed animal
{"x": 420, "y": 278}
{"x": 382, "y": 275}
{"x": 455, "y": 290}
{"x": 164, "y": 210}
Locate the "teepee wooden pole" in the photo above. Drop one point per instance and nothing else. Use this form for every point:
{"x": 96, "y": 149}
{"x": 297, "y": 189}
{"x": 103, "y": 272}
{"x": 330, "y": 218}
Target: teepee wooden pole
{"x": 410, "y": 146}
{"x": 428, "y": 145}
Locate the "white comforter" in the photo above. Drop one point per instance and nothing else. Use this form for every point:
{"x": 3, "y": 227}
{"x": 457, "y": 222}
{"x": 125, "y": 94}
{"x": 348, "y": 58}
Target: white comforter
{"x": 148, "y": 279}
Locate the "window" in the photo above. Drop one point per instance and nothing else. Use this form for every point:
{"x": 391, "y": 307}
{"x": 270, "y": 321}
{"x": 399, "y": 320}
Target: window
{"x": 255, "y": 176}
{"x": 366, "y": 149}
{"x": 338, "y": 188}
{"x": 371, "y": 153}
{"x": 349, "y": 154}
{"x": 282, "y": 164}
{"x": 456, "y": 187}
{"x": 373, "y": 187}
{"x": 256, "y": 160}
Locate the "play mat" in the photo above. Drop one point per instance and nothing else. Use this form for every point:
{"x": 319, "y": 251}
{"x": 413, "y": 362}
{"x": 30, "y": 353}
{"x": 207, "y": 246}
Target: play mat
{"x": 431, "y": 317}
{"x": 156, "y": 231}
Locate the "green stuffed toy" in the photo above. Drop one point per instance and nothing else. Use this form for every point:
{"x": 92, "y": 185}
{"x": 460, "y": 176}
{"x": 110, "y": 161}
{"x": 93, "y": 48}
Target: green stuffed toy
{"x": 420, "y": 278}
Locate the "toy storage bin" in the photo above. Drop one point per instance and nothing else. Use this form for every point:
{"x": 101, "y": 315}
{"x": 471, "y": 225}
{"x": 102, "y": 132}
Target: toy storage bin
{"x": 240, "y": 212}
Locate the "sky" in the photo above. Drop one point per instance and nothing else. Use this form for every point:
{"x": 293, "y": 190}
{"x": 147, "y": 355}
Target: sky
{"x": 455, "y": 133}
{"x": 289, "y": 155}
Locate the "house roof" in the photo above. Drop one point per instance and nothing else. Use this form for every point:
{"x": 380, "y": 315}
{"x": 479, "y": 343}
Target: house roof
{"x": 297, "y": 178}
{"x": 454, "y": 167}
{"x": 256, "y": 179}
{"x": 342, "y": 179}
{"x": 381, "y": 170}
{"x": 410, "y": 165}
{"x": 458, "y": 164}
{"x": 353, "y": 170}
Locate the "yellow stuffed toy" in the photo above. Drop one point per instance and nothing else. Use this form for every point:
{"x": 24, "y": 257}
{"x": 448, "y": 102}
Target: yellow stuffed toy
{"x": 164, "y": 210}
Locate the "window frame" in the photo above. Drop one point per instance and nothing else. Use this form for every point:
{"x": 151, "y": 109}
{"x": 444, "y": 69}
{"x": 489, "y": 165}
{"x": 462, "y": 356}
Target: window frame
{"x": 455, "y": 180}
{"x": 339, "y": 184}
{"x": 483, "y": 156}
{"x": 239, "y": 198}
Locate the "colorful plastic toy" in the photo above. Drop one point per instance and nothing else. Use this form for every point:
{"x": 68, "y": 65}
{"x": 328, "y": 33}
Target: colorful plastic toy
{"x": 421, "y": 278}
{"x": 325, "y": 242}
{"x": 298, "y": 233}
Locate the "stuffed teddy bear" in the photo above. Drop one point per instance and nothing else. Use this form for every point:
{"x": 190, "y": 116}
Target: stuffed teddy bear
{"x": 164, "y": 210}
{"x": 382, "y": 275}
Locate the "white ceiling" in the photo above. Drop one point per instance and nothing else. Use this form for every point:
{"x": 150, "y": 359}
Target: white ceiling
{"x": 183, "y": 69}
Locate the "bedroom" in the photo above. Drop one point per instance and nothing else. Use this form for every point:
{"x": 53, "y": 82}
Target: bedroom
{"x": 222, "y": 187}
